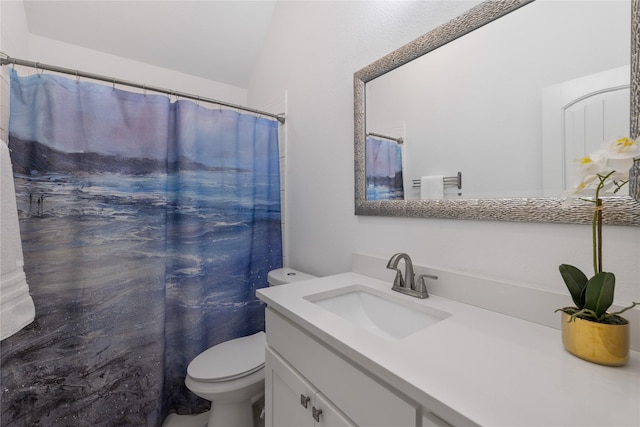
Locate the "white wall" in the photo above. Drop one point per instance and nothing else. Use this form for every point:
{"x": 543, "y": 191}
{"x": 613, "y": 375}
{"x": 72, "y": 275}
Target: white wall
{"x": 54, "y": 52}
{"x": 16, "y": 41}
{"x": 312, "y": 52}
{"x": 13, "y": 28}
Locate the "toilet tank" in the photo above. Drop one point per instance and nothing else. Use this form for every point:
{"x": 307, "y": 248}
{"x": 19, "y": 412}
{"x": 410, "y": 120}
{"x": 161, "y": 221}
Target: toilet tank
{"x": 285, "y": 275}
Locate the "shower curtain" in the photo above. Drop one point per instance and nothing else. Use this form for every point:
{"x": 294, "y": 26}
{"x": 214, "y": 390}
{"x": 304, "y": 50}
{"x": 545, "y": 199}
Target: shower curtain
{"x": 147, "y": 225}
{"x": 384, "y": 178}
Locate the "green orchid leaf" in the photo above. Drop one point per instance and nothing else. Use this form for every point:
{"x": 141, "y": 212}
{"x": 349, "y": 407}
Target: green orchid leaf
{"x": 599, "y": 293}
{"x": 576, "y": 282}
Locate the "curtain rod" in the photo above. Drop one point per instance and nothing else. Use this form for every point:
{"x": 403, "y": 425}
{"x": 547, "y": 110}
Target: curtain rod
{"x": 7, "y": 60}
{"x": 399, "y": 140}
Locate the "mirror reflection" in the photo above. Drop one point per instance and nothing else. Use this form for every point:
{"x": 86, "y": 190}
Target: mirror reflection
{"x": 504, "y": 111}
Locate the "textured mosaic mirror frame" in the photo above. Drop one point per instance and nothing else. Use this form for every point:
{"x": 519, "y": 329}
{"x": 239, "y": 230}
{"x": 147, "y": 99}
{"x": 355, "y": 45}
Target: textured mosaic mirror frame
{"x": 620, "y": 210}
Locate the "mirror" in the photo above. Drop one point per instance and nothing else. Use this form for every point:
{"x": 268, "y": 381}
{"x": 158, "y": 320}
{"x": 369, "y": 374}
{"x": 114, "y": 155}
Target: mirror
{"x": 522, "y": 193}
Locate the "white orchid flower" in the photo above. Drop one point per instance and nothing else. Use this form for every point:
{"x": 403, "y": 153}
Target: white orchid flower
{"x": 620, "y": 154}
{"x": 606, "y": 170}
{"x": 589, "y": 167}
{"x": 625, "y": 147}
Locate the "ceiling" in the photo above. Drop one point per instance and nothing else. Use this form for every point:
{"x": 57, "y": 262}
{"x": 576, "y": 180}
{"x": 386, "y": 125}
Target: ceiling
{"x": 214, "y": 39}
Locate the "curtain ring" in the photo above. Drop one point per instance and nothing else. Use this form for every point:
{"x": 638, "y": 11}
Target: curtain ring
{"x": 77, "y": 78}
{"x": 114, "y": 84}
{"x": 36, "y": 67}
{"x": 144, "y": 90}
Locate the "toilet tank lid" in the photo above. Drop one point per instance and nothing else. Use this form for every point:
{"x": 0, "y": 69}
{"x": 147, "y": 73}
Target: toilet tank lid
{"x": 284, "y": 275}
{"x": 229, "y": 359}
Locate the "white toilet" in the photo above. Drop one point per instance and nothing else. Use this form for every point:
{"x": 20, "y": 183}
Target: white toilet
{"x": 231, "y": 374}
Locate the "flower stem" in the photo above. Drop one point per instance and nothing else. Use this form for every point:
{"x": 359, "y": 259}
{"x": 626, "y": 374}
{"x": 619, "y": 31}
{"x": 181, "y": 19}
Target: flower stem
{"x": 596, "y": 226}
{"x": 598, "y": 236}
{"x": 594, "y": 234}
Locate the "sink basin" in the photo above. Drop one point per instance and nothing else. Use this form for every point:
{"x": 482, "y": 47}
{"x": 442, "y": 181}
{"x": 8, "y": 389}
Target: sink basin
{"x": 389, "y": 316}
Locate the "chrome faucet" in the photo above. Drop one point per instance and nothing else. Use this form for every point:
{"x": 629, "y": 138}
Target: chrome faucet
{"x": 399, "y": 281}
{"x": 406, "y": 284}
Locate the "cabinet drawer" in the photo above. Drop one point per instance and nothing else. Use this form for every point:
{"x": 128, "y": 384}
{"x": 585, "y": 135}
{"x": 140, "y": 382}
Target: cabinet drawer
{"x": 363, "y": 399}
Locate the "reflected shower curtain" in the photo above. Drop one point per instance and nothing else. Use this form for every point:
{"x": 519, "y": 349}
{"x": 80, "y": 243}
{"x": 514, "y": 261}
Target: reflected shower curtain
{"x": 384, "y": 177}
{"x": 147, "y": 226}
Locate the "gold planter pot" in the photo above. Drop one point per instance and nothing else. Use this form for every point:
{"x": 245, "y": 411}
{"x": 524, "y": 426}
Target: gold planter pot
{"x": 596, "y": 342}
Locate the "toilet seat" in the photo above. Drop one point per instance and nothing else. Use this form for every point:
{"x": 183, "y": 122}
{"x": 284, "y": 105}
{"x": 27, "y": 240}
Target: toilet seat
{"x": 229, "y": 360}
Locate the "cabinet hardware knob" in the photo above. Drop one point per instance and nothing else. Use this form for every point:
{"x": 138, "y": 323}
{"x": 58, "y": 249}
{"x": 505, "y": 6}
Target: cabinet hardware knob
{"x": 304, "y": 400}
{"x": 316, "y": 413}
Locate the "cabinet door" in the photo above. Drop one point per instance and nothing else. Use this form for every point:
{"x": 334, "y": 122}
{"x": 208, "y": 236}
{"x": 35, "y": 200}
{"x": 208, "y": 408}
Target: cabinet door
{"x": 359, "y": 395}
{"x": 291, "y": 401}
{"x": 289, "y": 397}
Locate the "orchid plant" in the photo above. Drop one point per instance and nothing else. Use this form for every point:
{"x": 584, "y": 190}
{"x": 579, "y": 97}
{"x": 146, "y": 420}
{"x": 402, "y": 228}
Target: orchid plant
{"x": 604, "y": 171}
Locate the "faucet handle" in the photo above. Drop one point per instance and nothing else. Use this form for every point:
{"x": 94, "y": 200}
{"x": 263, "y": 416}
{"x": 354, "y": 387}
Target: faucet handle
{"x": 421, "y": 287}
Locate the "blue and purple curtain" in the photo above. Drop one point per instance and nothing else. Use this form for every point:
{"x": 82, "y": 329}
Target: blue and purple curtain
{"x": 147, "y": 225}
{"x": 384, "y": 179}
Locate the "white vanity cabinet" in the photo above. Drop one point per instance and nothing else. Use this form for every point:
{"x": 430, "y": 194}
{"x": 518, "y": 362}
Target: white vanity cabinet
{"x": 474, "y": 368}
{"x": 294, "y": 402}
{"x": 300, "y": 367}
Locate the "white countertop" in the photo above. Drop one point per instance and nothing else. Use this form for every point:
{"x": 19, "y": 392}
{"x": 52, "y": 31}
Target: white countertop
{"x": 490, "y": 368}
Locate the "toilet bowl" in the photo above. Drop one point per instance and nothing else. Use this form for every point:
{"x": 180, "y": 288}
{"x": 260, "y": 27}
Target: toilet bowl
{"x": 231, "y": 374}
